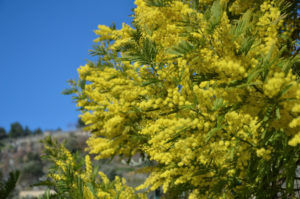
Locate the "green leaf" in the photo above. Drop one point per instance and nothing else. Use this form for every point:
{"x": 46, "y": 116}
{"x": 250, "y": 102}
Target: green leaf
{"x": 69, "y": 91}
{"x": 285, "y": 89}
{"x": 148, "y": 30}
{"x": 232, "y": 152}
{"x": 218, "y": 103}
{"x": 91, "y": 188}
{"x": 82, "y": 84}
{"x": 199, "y": 77}
{"x": 182, "y": 48}
{"x": 80, "y": 185}
{"x": 242, "y": 24}
{"x": 119, "y": 193}
{"x": 47, "y": 183}
{"x": 8, "y": 187}
{"x": 151, "y": 81}
{"x": 254, "y": 74}
{"x": 277, "y": 113}
{"x": 157, "y": 3}
{"x": 62, "y": 187}
{"x": 215, "y": 16}
{"x": 220, "y": 120}
{"x": 246, "y": 45}
{"x": 145, "y": 55}
{"x": 268, "y": 57}
{"x": 211, "y": 133}
{"x": 290, "y": 177}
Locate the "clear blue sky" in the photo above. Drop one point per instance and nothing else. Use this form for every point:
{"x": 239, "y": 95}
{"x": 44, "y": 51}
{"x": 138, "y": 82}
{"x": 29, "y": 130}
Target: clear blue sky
{"x": 42, "y": 43}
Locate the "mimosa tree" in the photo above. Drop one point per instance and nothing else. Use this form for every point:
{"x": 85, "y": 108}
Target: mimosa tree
{"x": 207, "y": 91}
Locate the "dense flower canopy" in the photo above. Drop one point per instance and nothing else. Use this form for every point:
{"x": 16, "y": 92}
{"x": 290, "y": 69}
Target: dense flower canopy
{"x": 205, "y": 90}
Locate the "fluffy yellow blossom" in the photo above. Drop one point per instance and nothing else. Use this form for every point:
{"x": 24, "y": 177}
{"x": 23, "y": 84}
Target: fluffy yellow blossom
{"x": 78, "y": 182}
{"x": 104, "y": 32}
{"x": 88, "y": 165}
{"x": 295, "y": 140}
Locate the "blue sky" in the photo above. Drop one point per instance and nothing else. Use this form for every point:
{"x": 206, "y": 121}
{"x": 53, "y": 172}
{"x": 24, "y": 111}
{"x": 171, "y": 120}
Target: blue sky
{"x": 42, "y": 43}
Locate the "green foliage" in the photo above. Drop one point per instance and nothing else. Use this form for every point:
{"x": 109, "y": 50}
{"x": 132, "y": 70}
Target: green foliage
{"x": 63, "y": 188}
{"x": 182, "y": 48}
{"x": 145, "y": 56}
{"x": 27, "y": 131}
{"x": 72, "y": 177}
{"x": 16, "y": 130}
{"x": 8, "y": 186}
{"x": 2, "y": 133}
{"x": 243, "y": 25}
{"x": 157, "y": 3}
{"x": 37, "y": 131}
{"x": 214, "y": 15}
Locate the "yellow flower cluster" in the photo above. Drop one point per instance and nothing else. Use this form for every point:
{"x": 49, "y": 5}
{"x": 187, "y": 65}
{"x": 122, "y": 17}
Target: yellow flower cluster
{"x": 239, "y": 6}
{"x": 274, "y": 84}
{"x": 205, "y": 96}
{"x": 263, "y": 153}
{"x": 91, "y": 186}
{"x": 105, "y": 32}
{"x": 295, "y": 141}
{"x": 269, "y": 25}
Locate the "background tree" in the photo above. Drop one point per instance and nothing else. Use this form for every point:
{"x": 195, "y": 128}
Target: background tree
{"x": 27, "y": 131}
{"x": 16, "y": 130}
{"x": 2, "y": 133}
{"x": 38, "y": 131}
